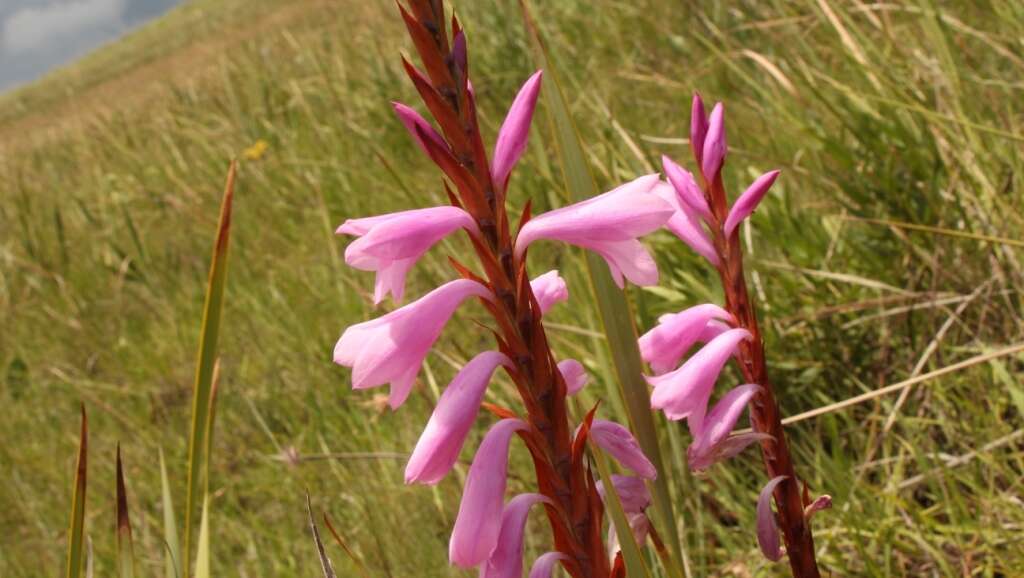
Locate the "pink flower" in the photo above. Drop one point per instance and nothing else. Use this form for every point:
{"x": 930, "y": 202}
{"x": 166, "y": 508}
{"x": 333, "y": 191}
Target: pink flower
{"x": 665, "y": 344}
{"x": 439, "y": 446}
{"x": 417, "y": 125}
{"x": 684, "y": 393}
{"x": 767, "y": 528}
{"x": 545, "y": 564}
{"x": 514, "y": 131}
{"x": 748, "y": 201}
{"x": 507, "y": 559}
{"x": 632, "y": 492}
{"x": 713, "y": 443}
{"x": 391, "y": 244}
{"x": 574, "y": 374}
{"x": 549, "y": 289}
{"x": 479, "y": 521}
{"x": 608, "y": 224}
{"x": 639, "y": 524}
{"x": 714, "y": 144}
{"x": 686, "y": 186}
{"x": 698, "y": 127}
{"x": 685, "y": 224}
{"x": 391, "y": 348}
{"x": 620, "y": 443}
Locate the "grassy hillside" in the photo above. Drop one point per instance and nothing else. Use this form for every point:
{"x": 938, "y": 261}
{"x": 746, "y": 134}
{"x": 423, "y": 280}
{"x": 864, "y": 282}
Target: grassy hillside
{"x": 878, "y": 114}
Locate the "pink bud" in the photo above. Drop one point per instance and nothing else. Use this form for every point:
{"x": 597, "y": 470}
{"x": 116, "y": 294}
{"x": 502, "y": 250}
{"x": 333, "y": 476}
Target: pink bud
{"x": 479, "y": 521}
{"x": 767, "y": 528}
{"x": 665, "y": 345}
{"x": 748, "y": 201}
{"x": 391, "y": 348}
{"x": 514, "y": 131}
{"x": 712, "y": 443}
{"x": 545, "y": 564}
{"x": 714, "y": 144}
{"x": 686, "y": 187}
{"x": 574, "y": 374}
{"x": 620, "y": 443}
{"x": 608, "y": 224}
{"x": 439, "y": 446}
{"x": 549, "y": 289}
{"x": 412, "y": 120}
{"x": 684, "y": 393}
{"x": 391, "y": 244}
{"x": 698, "y": 127}
{"x": 507, "y": 559}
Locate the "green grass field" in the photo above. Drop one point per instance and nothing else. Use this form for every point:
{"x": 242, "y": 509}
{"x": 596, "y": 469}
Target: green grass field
{"x": 877, "y": 113}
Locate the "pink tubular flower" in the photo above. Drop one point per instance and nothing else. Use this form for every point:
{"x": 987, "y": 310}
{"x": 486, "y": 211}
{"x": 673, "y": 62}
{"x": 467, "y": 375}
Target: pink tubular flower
{"x": 608, "y": 224}
{"x": 442, "y": 439}
{"x": 686, "y": 187}
{"x": 748, "y": 201}
{"x": 663, "y": 346}
{"x": 549, "y": 289}
{"x": 684, "y": 393}
{"x": 620, "y": 443}
{"x": 479, "y": 521}
{"x": 545, "y": 564}
{"x": 574, "y": 374}
{"x": 391, "y": 348}
{"x": 514, "y": 131}
{"x": 714, "y": 144}
{"x": 685, "y": 224}
{"x": 767, "y": 528}
{"x": 713, "y": 443}
{"x": 507, "y": 559}
{"x": 632, "y": 492}
{"x": 412, "y": 121}
{"x": 698, "y": 127}
{"x": 391, "y": 244}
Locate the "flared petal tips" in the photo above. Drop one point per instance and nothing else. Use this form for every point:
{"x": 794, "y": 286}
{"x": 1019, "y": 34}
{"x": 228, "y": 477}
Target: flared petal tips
{"x": 391, "y": 244}
{"x": 544, "y": 565}
{"x": 513, "y": 134}
{"x": 506, "y": 561}
{"x": 767, "y": 528}
{"x": 684, "y": 393}
{"x": 417, "y": 126}
{"x": 698, "y": 127}
{"x": 715, "y": 147}
{"x": 748, "y": 201}
{"x": 608, "y": 224}
{"x": 664, "y": 345}
{"x": 391, "y": 348}
{"x": 441, "y": 441}
{"x": 549, "y": 289}
{"x": 620, "y": 443}
{"x": 574, "y": 374}
{"x": 712, "y": 443}
{"x": 479, "y": 520}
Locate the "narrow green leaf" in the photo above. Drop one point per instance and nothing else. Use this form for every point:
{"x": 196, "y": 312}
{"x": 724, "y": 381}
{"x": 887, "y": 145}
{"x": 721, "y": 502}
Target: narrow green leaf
{"x": 635, "y": 566}
{"x": 616, "y": 314}
{"x": 76, "y": 529}
{"x": 208, "y": 335}
{"x": 172, "y": 556}
{"x": 203, "y": 549}
{"x": 125, "y": 549}
{"x": 325, "y": 562}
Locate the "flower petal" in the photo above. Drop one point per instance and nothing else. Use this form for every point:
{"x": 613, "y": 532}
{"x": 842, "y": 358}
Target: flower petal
{"x": 412, "y": 120}
{"x": 714, "y": 144}
{"x": 514, "y": 131}
{"x": 479, "y": 521}
{"x": 574, "y": 374}
{"x": 639, "y": 524}
{"x": 632, "y": 492}
{"x": 507, "y": 559}
{"x": 545, "y": 564}
{"x": 686, "y": 187}
{"x": 441, "y": 441}
{"x": 620, "y": 443}
{"x": 748, "y": 201}
{"x": 549, "y": 289}
{"x": 767, "y": 529}
{"x": 698, "y": 127}
{"x": 664, "y": 345}
{"x": 685, "y": 224}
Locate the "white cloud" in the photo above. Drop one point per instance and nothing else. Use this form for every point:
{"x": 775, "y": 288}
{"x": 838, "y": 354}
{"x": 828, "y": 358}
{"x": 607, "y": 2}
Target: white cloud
{"x": 63, "y": 26}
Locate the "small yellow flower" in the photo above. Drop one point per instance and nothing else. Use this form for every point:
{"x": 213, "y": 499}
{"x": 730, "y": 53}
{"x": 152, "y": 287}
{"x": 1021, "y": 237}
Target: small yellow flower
{"x": 255, "y": 152}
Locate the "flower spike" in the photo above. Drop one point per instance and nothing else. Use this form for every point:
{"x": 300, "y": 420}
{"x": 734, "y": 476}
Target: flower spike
{"x": 479, "y": 521}
{"x": 439, "y": 444}
{"x": 507, "y": 559}
{"x": 391, "y": 348}
{"x": 748, "y": 201}
{"x": 514, "y": 131}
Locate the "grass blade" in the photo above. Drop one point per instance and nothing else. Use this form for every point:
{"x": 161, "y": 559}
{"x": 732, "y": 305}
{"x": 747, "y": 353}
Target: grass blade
{"x": 203, "y": 549}
{"x": 173, "y": 554}
{"x": 76, "y": 530}
{"x": 616, "y": 314}
{"x": 208, "y": 335}
{"x": 125, "y": 549}
{"x": 325, "y": 562}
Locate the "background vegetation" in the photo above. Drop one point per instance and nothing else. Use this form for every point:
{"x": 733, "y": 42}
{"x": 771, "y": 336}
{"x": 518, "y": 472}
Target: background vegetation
{"x": 111, "y": 176}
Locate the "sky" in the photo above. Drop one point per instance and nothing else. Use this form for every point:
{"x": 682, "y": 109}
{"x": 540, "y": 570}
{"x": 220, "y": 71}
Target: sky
{"x": 38, "y": 35}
